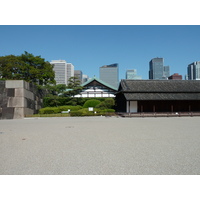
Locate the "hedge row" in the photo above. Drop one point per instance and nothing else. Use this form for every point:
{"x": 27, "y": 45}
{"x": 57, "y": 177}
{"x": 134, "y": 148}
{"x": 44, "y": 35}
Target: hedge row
{"x": 54, "y": 110}
{"x": 101, "y": 107}
{"x": 96, "y": 112}
{"x": 75, "y": 111}
{"x": 55, "y": 101}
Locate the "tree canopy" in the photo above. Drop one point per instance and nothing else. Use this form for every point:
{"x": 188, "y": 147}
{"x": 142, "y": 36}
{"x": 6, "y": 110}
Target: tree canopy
{"x": 74, "y": 86}
{"x": 27, "y": 67}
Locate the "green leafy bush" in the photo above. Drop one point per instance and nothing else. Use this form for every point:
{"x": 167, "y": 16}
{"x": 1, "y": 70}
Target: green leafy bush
{"x": 106, "y": 104}
{"x": 49, "y": 110}
{"x": 96, "y": 112}
{"x": 76, "y": 113}
{"x": 54, "y": 110}
{"x": 71, "y": 108}
{"x": 53, "y": 101}
{"x": 91, "y": 103}
{"x": 110, "y": 102}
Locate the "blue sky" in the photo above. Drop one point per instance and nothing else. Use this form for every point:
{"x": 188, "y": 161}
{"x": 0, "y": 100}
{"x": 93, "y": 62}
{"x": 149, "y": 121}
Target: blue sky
{"x": 89, "y": 47}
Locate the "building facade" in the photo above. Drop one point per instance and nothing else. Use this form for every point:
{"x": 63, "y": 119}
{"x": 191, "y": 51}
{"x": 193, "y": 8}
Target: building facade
{"x": 157, "y": 70}
{"x": 85, "y": 78}
{"x": 70, "y": 71}
{"x": 166, "y": 72}
{"x": 194, "y": 71}
{"x": 79, "y": 74}
{"x": 175, "y": 76}
{"x": 132, "y": 74}
{"x": 63, "y": 71}
{"x": 158, "y": 96}
{"x": 110, "y": 74}
{"x": 96, "y": 88}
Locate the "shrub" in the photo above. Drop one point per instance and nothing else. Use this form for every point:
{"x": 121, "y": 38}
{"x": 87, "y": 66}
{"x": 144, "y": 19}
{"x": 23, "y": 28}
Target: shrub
{"x": 49, "y": 110}
{"x": 54, "y": 110}
{"x": 106, "y": 104}
{"x": 91, "y": 103}
{"x": 109, "y": 102}
{"x": 76, "y": 113}
{"x": 101, "y": 106}
{"x": 71, "y": 108}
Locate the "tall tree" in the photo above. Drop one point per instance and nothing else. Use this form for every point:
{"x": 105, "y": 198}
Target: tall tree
{"x": 74, "y": 86}
{"x": 27, "y": 67}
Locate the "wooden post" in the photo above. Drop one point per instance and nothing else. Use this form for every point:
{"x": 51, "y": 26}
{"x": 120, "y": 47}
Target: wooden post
{"x": 172, "y": 108}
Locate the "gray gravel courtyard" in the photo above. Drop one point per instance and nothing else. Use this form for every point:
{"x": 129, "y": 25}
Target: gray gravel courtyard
{"x": 100, "y": 146}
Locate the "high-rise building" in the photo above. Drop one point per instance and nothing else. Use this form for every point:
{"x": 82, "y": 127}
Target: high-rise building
{"x": 166, "y": 72}
{"x": 79, "y": 74}
{"x": 85, "y": 78}
{"x": 110, "y": 74}
{"x": 63, "y": 71}
{"x": 194, "y": 71}
{"x": 132, "y": 74}
{"x": 60, "y": 69}
{"x": 157, "y": 70}
{"x": 70, "y": 71}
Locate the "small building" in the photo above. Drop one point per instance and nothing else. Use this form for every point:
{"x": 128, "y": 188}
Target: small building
{"x": 158, "y": 96}
{"x": 175, "y": 76}
{"x": 96, "y": 88}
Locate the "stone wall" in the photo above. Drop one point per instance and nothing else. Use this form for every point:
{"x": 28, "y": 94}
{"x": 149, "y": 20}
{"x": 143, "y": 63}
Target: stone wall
{"x": 18, "y": 99}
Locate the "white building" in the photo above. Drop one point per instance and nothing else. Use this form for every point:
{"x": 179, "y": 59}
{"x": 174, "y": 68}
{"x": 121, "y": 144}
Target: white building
{"x": 96, "y": 88}
{"x": 63, "y": 71}
{"x": 70, "y": 71}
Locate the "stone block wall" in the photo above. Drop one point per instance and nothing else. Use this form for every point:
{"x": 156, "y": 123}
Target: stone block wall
{"x": 18, "y": 99}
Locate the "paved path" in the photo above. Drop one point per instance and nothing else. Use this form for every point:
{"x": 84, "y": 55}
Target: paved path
{"x": 100, "y": 145}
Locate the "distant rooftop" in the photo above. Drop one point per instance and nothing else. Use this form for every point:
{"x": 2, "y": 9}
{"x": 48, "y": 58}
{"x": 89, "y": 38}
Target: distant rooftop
{"x": 112, "y": 65}
{"x": 58, "y": 61}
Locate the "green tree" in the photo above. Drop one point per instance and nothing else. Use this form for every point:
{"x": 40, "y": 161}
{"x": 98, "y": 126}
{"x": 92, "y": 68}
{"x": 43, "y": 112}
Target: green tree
{"x": 27, "y": 67}
{"x": 74, "y": 87}
{"x": 61, "y": 88}
{"x": 55, "y": 89}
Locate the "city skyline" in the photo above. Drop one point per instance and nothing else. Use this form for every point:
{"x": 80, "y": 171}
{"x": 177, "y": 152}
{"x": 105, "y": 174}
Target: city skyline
{"x": 89, "y": 47}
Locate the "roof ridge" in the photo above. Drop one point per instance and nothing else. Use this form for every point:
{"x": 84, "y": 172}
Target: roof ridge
{"x": 100, "y": 81}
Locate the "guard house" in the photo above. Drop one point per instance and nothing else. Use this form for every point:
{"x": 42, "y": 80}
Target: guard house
{"x": 97, "y": 88}
{"x": 158, "y": 96}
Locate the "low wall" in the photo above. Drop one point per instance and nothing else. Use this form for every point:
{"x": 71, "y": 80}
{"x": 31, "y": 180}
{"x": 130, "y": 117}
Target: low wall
{"x": 18, "y": 99}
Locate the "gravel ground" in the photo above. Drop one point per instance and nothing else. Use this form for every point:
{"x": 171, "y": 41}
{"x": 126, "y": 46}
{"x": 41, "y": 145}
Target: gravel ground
{"x": 100, "y": 146}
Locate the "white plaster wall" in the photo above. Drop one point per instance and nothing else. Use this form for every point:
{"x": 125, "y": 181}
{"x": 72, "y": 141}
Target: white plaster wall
{"x": 133, "y": 106}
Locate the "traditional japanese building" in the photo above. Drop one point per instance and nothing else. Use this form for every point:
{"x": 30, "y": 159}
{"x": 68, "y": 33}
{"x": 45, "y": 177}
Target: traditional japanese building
{"x": 96, "y": 88}
{"x": 158, "y": 96}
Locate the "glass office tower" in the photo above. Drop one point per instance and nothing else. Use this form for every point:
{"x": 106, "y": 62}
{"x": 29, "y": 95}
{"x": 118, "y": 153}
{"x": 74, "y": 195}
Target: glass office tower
{"x": 132, "y": 74}
{"x": 194, "y": 71}
{"x": 156, "y": 68}
{"x": 166, "y": 72}
{"x": 110, "y": 74}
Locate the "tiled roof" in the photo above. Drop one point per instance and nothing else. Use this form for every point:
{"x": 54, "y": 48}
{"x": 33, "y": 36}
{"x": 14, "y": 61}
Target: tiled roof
{"x": 160, "y": 89}
{"x": 160, "y": 85}
{"x": 100, "y": 81}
